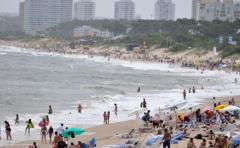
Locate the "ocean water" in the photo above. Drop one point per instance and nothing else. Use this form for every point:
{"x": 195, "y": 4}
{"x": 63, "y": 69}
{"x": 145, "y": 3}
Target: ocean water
{"x": 30, "y": 81}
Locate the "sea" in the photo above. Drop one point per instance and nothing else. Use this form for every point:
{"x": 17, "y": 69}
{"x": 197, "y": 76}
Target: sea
{"x": 30, "y": 81}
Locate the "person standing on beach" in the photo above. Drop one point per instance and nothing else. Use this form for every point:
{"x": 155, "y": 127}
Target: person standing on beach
{"x": 44, "y": 133}
{"x": 105, "y": 118}
{"x": 50, "y": 133}
{"x": 29, "y": 126}
{"x": 17, "y": 119}
{"x": 79, "y": 108}
{"x": 57, "y": 138}
{"x": 184, "y": 94}
{"x": 143, "y": 104}
{"x": 8, "y": 130}
{"x": 166, "y": 139}
{"x": 61, "y": 129}
{"x": 50, "y": 111}
{"x": 115, "y": 109}
{"x": 108, "y": 117}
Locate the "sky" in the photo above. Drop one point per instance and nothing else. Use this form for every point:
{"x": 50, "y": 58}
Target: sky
{"x": 105, "y": 8}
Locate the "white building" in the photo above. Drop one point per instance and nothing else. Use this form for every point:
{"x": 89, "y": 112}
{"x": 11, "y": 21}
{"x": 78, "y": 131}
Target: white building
{"x": 42, "y": 14}
{"x": 84, "y": 10}
{"x": 124, "y": 9}
{"x": 84, "y": 31}
{"x": 164, "y": 10}
{"x": 209, "y": 10}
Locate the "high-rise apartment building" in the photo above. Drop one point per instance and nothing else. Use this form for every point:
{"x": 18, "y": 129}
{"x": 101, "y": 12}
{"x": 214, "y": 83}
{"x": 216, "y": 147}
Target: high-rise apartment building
{"x": 84, "y": 10}
{"x": 124, "y": 9}
{"x": 209, "y": 10}
{"x": 42, "y": 14}
{"x": 21, "y": 14}
{"x": 164, "y": 10}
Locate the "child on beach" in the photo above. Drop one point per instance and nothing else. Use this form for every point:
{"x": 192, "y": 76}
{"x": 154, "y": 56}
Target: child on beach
{"x": 50, "y": 133}
{"x": 17, "y": 119}
{"x": 29, "y": 126}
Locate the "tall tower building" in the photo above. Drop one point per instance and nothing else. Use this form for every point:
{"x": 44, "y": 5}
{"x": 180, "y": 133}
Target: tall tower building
{"x": 84, "y": 10}
{"x": 124, "y": 9}
{"x": 194, "y": 9}
{"x": 164, "y": 10}
{"x": 21, "y": 13}
{"x": 42, "y": 14}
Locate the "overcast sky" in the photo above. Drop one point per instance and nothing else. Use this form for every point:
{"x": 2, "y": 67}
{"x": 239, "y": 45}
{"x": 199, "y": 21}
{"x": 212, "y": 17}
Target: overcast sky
{"x": 104, "y": 8}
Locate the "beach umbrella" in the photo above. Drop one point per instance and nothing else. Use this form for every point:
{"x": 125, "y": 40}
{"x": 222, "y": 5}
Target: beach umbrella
{"x": 137, "y": 112}
{"x": 219, "y": 107}
{"x": 230, "y": 108}
{"x": 72, "y": 132}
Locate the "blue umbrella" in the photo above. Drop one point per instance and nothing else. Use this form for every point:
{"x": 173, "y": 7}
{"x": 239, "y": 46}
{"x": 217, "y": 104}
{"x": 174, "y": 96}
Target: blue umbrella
{"x": 72, "y": 132}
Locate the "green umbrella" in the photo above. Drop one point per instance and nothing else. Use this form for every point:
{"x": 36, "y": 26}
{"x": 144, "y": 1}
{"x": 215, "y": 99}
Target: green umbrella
{"x": 72, "y": 132}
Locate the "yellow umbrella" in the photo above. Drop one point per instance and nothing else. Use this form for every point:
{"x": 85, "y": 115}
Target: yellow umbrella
{"x": 219, "y": 107}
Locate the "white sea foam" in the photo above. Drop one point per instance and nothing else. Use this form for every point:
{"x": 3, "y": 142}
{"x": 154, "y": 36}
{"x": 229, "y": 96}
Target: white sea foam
{"x": 92, "y": 110}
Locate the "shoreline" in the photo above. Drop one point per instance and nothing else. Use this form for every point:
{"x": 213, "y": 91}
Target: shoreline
{"x": 97, "y": 126}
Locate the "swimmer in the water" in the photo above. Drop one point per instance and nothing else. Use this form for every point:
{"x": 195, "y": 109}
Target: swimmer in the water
{"x": 139, "y": 89}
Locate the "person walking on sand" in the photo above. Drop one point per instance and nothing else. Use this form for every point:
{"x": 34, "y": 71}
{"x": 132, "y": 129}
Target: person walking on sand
{"x": 8, "y": 130}
{"x": 184, "y": 94}
{"x": 17, "y": 119}
{"x": 105, "y": 118}
{"x": 108, "y": 117}
{"x": 29, "y": 126}
{"x": 50, "y": 133}
{"x": 79, "y": 108}
{"x": 166, "y": 139}
{"x": 44, "y": 133}
{"x": 115, "y": 109}
{"x": 50, "y": 111}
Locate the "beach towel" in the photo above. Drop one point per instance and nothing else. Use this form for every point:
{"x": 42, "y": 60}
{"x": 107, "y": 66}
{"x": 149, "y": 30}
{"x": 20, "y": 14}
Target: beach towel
{"x": 153, "y": 139}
